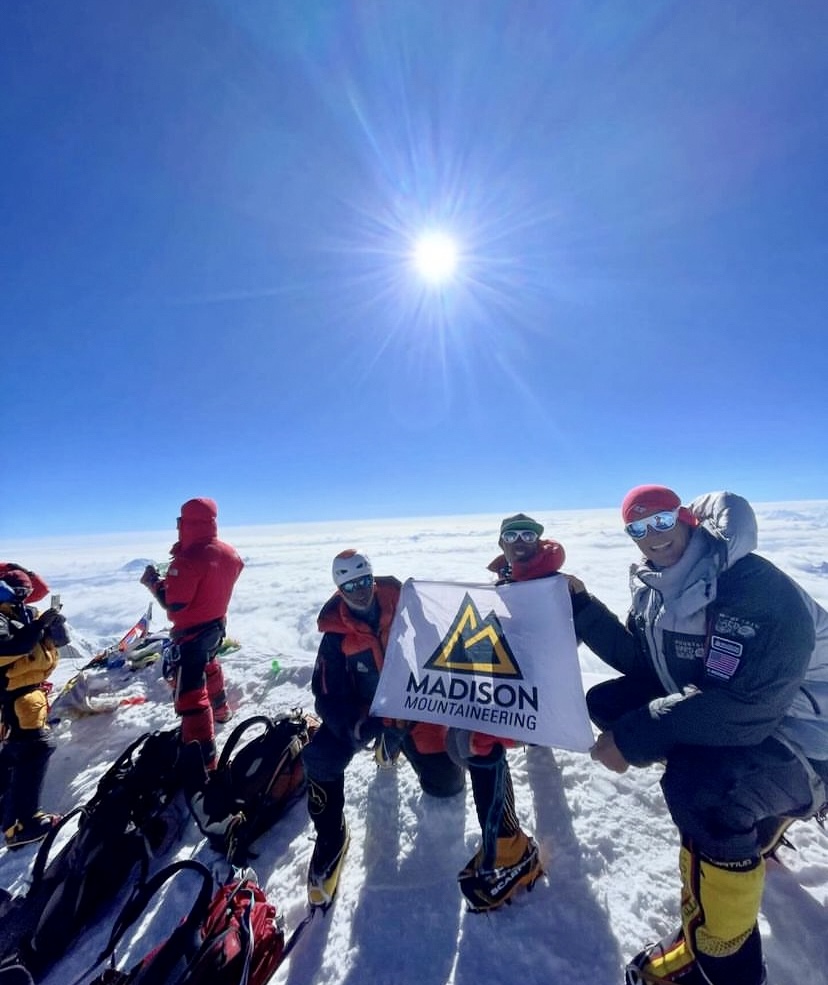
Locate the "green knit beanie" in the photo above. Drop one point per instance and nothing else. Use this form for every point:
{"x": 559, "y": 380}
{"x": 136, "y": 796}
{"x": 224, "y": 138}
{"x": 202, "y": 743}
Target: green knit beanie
{"x": 520, "y": 521}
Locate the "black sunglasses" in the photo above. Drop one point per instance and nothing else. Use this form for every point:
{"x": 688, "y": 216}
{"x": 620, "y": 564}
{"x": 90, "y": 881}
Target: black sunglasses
{"x": 357, "y": 584}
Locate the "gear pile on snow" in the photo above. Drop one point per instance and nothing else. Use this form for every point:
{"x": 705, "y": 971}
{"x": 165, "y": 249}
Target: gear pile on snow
{"x": 253, "y": 783}
{"x": 116, "y": 831}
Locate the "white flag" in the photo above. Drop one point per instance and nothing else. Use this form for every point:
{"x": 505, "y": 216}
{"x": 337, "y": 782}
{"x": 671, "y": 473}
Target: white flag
{"x": 496, "y": 659}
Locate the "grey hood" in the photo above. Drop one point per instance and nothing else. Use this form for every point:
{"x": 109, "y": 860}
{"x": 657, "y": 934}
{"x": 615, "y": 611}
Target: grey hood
{"x": 731, "y": 520}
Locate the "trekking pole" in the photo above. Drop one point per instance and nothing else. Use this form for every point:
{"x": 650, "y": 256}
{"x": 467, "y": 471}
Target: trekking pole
{"x": 298, "y": 931}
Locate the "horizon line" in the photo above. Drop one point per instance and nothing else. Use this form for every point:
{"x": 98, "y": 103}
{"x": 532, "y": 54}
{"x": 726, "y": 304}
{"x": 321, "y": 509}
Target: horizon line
{"x": 166, "y": 531}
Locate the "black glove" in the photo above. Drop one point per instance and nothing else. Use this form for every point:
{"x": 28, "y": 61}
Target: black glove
{"x": 47, "y": 618}
{"x": 150, "y": 577}
{"x": 365, "y": 731}
{"x": 57, "y": 631}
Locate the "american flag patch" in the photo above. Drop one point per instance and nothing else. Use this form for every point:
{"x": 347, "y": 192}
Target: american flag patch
{"x": 723, "y": 658}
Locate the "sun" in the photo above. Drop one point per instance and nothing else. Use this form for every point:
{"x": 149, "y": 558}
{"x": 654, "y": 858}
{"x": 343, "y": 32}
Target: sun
{"x": 435, "y": 257}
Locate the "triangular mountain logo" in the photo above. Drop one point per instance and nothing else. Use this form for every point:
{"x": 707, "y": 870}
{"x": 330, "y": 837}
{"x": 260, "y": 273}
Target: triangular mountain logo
{"x": 474, "y": 645}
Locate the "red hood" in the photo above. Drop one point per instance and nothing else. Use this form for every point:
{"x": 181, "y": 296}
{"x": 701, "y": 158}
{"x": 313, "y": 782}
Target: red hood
{"x": 38, "y": 588}
{"x": 197, "y": 523}
{"x": 546, "y": 561}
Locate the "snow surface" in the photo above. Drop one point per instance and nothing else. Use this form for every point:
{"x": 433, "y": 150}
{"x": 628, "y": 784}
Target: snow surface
{"x": 611, "y": 851}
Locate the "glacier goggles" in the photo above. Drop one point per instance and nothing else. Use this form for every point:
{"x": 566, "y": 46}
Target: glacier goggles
{"x": 357, "y": 585}
{"x": 513, "y": 536}
{"x": 7, "y": 593}
{"x": 12, "y": 593}
{"x": 661, "y": 521}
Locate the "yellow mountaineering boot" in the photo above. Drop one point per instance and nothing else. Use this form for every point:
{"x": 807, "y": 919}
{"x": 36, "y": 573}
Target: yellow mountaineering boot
{"x": 719, "y": 942}
{"x": 669, "y": 960}
{"x": 325, "y": 866}
{"x": 516, "y": 864}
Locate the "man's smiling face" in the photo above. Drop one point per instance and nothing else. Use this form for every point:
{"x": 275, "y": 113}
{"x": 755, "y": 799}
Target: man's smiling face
{"x": 664, "y": 548}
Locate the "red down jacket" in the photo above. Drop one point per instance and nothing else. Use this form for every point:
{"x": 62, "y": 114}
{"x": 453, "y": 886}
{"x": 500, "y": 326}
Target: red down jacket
{"x": 199, "y": 582}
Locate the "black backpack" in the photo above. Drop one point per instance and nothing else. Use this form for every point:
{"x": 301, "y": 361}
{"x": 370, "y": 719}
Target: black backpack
{"x": 167, "y": 962}
{"x": 14, "y": 973}
{"x": 234, "y": 937}
{"x": 147, "y": 775}
{"x": 116, "y": 831}
{"x": 253, "y": 784}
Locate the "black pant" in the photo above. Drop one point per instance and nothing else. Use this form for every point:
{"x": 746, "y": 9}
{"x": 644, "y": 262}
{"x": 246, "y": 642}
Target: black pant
{"x": 23, "y": 761}
{"x": 611, "y": 700}
{"x": 439, "y": 776}
{"x": 326, "y": 758}
{"x": 192, "y": 700}
{"x": 194, "y": 653}
{"x": 716, "y": 795}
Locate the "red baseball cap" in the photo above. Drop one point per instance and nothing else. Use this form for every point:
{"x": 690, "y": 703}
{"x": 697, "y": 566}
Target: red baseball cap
{"x": 647, "y": 500}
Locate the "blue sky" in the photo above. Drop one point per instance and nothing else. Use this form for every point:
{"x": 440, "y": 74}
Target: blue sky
{"x": 208, "y": 216}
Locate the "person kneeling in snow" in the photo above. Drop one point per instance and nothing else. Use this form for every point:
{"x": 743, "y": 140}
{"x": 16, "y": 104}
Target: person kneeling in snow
{"x": 724, "y": 664}
{"x": 355, "y": 622}
{"x": 195, "y": 593}
{"x": 28, "y": 654}
{"x": 507, "y": 858}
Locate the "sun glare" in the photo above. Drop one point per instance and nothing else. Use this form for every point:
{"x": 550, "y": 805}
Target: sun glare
{"x": 435, "y": 257}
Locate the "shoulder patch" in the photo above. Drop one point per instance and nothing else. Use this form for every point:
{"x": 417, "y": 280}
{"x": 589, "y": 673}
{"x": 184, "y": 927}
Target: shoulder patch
{"x": 735, "y": 626}
{"x": 723, "y": 657}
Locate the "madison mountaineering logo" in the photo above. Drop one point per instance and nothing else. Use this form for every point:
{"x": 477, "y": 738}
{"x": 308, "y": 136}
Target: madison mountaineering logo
{"x": 473, "y": 677}
{"x": 474, "y": 645}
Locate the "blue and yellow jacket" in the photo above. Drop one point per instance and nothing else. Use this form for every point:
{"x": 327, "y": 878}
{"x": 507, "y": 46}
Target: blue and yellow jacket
{"x": 27, "y": 659}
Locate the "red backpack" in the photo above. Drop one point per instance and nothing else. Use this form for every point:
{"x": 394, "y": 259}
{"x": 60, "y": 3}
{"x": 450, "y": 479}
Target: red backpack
{"x": 243, "y": 939}
{"x": 237, "y": 938}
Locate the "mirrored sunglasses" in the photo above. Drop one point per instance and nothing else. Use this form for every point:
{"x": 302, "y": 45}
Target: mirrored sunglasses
{"x": 357, "y": 584}
{"x": 513, "y": 536}
{"x": 664, "y": 520}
